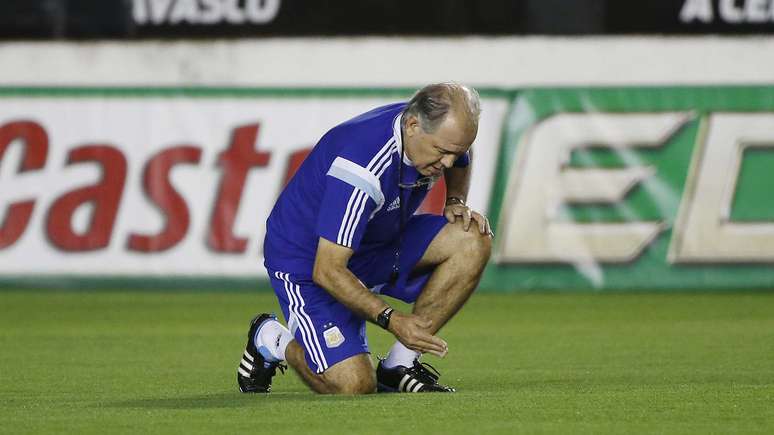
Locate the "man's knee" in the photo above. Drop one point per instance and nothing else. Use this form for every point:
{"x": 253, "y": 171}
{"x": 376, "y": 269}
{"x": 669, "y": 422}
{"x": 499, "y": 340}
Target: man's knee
{"x": 354, "y": 375}
{"x": 472, "y": 243}
{"x": 361, "y": 385}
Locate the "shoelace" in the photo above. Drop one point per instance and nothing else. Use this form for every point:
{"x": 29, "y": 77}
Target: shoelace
{"x": 272, "y": 370}
{"x": 422, "y": 371}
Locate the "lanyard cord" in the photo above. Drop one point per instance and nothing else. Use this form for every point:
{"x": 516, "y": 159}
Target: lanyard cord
{"x": 401, "y": 227}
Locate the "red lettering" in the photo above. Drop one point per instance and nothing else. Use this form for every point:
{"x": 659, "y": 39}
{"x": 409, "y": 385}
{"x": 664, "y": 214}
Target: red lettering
{"x": 294, "y": 163}
{"x": 160, "y": 190}
{"x": 105, "y": 195}
{"x": 236, "y": 161}
{"x": 435, "y": 199}
{"x": 35, "y": 141}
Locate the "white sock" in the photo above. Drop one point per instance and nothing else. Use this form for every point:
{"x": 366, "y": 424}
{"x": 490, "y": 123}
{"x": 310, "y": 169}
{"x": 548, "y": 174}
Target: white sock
{"x": 400, "y": 355}
{"x": 274, "y": 338}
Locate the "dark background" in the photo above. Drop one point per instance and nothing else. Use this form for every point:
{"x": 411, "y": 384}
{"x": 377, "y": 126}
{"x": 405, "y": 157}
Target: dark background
{"x": 113, "y": 19}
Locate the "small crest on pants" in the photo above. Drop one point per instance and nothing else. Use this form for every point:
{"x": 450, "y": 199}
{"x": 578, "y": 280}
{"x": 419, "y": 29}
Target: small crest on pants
{"x": 333, "y": 337}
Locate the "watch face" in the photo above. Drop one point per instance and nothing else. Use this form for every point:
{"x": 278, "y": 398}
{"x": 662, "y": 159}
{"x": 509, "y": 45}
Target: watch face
{"x": 383, "y": 319}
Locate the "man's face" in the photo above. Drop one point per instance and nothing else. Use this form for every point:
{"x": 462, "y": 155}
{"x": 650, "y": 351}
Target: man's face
{"x": 431, "y": 153}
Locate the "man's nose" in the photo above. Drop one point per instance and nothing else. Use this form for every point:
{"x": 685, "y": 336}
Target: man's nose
{"x": 448, "y": 161}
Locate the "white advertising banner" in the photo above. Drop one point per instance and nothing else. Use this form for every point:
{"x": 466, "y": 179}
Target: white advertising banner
{"x": 166, "y": 185}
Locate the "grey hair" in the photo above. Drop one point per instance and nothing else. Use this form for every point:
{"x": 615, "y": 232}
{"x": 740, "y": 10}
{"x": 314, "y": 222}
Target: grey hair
{"x": 432, "y": 103}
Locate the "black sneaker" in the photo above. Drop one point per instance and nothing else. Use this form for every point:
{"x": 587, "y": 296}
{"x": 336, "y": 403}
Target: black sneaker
{"x": 415, "y": 379}
{"x": 255, "y": 371}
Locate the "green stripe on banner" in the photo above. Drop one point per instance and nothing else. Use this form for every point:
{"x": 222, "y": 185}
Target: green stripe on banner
{"x": 658, "y": 198}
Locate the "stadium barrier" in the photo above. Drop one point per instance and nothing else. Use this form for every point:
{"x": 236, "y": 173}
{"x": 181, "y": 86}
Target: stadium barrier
{"x": 606, "y": 188}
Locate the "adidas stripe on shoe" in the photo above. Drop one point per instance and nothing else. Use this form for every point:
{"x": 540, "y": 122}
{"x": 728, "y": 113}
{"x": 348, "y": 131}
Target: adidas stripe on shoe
{"x": 419, "y": 378}
{"x": 255, "y": 373}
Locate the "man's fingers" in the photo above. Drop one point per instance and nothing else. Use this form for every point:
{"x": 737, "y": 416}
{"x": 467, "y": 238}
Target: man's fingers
{"x": 435, "y": 346}
{"x": 436, "y": 343}
{"x": 439, "y": 354}
{"x": 483, "y": 224}
{"x": 429, "y": 345}
{"x": 489, "y": 229}
{"x": 466, "y": 218}
{"x": 439, "y": 351}
{"x": 450, "y": 216}
{"x": 481, "y": 221}
{"x": 444, "y": 345}
{"x": 417, "y": 338}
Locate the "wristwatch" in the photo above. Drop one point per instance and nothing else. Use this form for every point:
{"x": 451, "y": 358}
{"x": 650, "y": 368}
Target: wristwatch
{"x": 454, "y": 200}
{"x": 383, "y": 319}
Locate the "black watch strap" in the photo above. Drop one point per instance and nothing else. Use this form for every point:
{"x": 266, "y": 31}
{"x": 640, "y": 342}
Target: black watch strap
{"x": 383, "y": 319}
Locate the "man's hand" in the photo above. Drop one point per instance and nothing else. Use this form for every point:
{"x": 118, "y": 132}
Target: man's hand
{"x": 411, "y": 330}
{"x": 460, "y": 209}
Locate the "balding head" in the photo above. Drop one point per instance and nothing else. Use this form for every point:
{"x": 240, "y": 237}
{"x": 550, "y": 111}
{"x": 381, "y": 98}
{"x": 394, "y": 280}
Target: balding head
{"x": 433, "y": 103}
{"x": 439, "y": 125}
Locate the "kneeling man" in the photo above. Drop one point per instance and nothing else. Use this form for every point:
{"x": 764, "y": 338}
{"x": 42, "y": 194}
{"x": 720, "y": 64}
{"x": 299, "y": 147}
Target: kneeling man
{"x": 344, "y": 231}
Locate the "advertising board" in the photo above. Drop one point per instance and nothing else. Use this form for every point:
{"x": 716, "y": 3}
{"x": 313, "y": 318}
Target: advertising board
{"x": 158, "y": 183}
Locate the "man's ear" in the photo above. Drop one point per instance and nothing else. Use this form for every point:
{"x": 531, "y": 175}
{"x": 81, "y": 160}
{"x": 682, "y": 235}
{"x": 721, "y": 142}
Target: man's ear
{"x": 412, "y": 125}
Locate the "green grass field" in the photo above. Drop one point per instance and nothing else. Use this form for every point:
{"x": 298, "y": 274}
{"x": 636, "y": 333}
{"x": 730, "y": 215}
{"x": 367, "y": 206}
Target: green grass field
{"x": 145, "y": 362}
